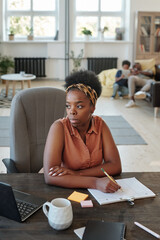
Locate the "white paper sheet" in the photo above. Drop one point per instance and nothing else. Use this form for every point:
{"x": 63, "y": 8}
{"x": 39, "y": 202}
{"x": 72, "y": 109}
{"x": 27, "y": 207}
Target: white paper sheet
{"x": 131, "y": 189}
{"x": 79, "y": 232}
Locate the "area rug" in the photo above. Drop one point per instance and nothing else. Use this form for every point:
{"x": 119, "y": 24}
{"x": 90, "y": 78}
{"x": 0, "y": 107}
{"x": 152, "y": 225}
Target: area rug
{"x": 123, "y": 133}
{"x": 5, "y": 102}
{"x": 4, "y": 131}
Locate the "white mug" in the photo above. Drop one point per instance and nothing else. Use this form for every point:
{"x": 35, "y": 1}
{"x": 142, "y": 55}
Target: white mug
{"x": 59, "y": 213}
{"x": 22, "y": 73}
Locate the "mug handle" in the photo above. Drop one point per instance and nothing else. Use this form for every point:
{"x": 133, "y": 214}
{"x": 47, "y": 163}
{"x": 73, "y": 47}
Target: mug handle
{"x": 45, "y": 208}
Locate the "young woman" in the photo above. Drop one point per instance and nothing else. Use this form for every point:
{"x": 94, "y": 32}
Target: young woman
{"x": 79, "y": 145}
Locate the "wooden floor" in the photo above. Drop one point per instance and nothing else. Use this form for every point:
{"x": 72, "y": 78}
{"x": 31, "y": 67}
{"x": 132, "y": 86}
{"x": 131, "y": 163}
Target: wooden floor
{"x": 134, "y": 157}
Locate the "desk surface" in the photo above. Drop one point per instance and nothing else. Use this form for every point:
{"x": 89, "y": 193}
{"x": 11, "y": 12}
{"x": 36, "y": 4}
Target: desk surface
{"x": 145, "y": 211}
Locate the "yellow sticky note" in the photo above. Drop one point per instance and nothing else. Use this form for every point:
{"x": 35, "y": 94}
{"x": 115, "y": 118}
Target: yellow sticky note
{"x": 77, "y": 196}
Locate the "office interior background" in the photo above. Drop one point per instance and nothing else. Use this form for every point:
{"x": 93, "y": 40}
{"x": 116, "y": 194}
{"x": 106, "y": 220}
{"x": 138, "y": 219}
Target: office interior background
{"x": 65, "y": 20}
{"x": 56, "y": 46}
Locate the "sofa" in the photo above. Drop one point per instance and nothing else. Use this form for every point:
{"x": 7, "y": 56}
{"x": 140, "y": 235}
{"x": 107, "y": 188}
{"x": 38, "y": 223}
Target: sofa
{"x": 107, "y": 79}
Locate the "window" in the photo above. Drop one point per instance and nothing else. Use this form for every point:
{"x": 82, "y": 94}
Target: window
{"x": 24, "y": 17}
{"x": 97, "y": 14}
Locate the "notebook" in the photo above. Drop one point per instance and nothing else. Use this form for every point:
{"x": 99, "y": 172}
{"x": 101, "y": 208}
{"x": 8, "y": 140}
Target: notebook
{"x": 17, "y": 205}
{"x": 131, "y": 189}
{"x": 125, "y": 72}
{"x": 104, "y": 230}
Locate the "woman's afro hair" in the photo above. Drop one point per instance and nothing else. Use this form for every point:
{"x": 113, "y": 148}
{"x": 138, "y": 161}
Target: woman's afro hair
{"x": 85, "y": 77}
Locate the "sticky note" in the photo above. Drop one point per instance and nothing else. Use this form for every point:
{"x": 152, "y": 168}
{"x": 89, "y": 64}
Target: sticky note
{"x": 87, "y": 203}
{"x": 77, "y": 196}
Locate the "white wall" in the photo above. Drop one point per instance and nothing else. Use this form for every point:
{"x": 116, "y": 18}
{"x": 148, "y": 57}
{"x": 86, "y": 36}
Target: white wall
{"x": 54, "y": 51}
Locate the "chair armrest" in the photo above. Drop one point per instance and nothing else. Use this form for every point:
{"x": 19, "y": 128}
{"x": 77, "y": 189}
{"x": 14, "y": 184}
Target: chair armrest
{"x": 10, "y": 165}
{"x": 155, "y": 93}
{"x": 157, "y": 75}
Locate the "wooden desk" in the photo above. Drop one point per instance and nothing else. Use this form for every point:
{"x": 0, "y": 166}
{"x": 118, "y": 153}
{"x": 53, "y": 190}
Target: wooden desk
{"x": 145, "y": 211}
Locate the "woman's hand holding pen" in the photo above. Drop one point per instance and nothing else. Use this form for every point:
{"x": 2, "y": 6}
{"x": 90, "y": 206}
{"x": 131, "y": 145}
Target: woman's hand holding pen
{"x": 106, "y": 185}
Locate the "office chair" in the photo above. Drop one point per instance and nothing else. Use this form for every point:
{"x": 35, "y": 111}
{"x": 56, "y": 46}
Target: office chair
{"x": 32, "y": 113}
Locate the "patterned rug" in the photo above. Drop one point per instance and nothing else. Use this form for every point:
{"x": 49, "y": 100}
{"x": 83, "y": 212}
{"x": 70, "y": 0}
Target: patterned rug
{"x": 5, "y": 102}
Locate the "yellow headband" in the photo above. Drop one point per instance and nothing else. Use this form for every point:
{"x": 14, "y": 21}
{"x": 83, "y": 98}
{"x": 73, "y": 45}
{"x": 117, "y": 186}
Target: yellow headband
{"x": 89, "y": 92}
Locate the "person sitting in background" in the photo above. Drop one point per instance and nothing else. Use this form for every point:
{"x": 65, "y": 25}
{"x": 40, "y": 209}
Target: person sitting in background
{"x": 79, "y": 145}
{"x": 139, "y": 78}
{"x": 121, "y": 81}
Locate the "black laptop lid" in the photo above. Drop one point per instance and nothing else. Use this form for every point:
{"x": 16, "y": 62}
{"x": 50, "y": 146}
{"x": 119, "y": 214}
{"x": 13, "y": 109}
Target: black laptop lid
{"x": 8, "y": 205}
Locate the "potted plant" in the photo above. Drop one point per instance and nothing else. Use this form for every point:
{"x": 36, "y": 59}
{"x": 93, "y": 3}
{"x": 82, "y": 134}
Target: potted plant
{"x": 76, "y": 60}
{"x": 105, "y": 29}
{"x": 86, "y": 32}
{"x": 30, "y": 33}
{"x": 11, "y": 33}
{"x": 102, "y": 31}
{"x": 6, "y": 65}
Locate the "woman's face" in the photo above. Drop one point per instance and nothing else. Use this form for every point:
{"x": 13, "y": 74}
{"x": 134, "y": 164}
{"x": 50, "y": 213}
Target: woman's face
{"x": 79, "y": 108}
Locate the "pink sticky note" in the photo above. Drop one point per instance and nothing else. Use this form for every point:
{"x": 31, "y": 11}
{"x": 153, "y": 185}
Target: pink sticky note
{"x": 87, "y": 203}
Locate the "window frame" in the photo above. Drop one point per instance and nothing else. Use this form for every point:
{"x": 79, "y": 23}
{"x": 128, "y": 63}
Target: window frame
{"x": 99, "y": 14}
{"x": 32, "y": 14}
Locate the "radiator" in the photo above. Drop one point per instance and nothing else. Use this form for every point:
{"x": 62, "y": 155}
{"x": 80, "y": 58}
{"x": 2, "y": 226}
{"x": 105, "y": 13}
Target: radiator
{"x": 99, "y": 64}
{"x": 34, "y": 66}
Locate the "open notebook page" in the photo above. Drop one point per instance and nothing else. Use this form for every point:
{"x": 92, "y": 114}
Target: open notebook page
{"x": 131, "y": 189}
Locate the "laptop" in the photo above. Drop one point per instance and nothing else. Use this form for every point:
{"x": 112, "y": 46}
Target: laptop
{"x": 17, "y": 205}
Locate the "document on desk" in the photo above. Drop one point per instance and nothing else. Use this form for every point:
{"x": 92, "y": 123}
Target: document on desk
{"x": 131, "y": 189}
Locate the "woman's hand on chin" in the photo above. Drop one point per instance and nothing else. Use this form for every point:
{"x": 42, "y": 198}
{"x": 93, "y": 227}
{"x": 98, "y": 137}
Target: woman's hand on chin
{"x": 61, "y": 171}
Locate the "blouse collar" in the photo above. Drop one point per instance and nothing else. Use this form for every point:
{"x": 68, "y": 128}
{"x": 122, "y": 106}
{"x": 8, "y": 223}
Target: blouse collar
{"x": 74, "y": 131}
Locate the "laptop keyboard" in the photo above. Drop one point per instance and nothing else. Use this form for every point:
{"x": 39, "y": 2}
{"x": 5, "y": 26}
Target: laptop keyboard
{"x": 25, "y": 208}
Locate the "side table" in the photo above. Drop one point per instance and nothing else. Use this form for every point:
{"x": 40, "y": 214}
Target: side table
{"x": 15, "y": 78}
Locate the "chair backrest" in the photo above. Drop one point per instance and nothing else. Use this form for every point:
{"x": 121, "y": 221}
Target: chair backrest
{"x": 32, "y": 113}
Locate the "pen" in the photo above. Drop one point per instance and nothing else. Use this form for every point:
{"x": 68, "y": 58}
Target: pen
{"x": 131, "y": 201}
{"x": 147, "y": 230}
{"x": 109, "y": 176}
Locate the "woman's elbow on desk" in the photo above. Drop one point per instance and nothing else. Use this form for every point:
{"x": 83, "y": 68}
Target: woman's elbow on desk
{"x": 49, "y": 180}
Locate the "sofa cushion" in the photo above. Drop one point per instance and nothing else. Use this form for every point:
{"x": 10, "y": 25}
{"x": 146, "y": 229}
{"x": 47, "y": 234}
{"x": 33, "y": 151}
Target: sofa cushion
{"x": 147, "y": 64}
{"x": 107, "y": 79}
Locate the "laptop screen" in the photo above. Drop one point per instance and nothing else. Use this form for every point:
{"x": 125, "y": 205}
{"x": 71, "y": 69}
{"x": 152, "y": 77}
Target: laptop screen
{"x": 17, "y": 205}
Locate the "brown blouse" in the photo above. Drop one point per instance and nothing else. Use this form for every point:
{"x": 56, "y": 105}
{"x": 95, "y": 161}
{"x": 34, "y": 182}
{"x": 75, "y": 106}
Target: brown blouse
{"x": 77, "y": 154}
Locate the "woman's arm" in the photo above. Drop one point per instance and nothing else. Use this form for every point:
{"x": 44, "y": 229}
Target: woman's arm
{"x": 53, "y": 148}
{"x": 103, "y": 184}
{"x": 110, "y": 152}
{"x": 112, "y": 163}
{"x": 72, "y": 179}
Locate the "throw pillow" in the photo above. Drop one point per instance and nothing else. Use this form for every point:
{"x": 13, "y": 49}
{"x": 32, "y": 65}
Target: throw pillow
{"x": 107, "y": 79}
